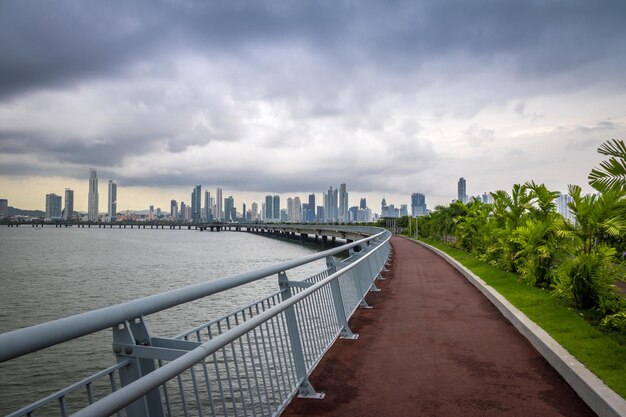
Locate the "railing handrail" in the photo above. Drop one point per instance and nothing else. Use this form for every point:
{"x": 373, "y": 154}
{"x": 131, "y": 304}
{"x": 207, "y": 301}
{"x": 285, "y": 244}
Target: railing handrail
{"x": 135, "y": 390}
{"x": 26, "y": 340}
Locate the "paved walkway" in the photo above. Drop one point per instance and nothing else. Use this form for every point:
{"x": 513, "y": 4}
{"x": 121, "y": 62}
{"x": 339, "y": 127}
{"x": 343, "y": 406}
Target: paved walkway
{"x": 433, "y": 345}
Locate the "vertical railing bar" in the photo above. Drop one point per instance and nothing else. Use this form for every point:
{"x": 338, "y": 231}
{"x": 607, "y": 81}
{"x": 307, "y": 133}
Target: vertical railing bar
{"x": 314, "y": 335}
{"x": 245, "y": 367}
{"x": 267, "y": 361}
{"x": 227, "y": 368}
{"x": 256, "y": 343}
{"x": 314, "y": 320}
{"x": 303, "y": 329}
{"x": 275, "y": 361}
{"x": 329, "y": 325}
{"x": 207, "y": 380}
{"x": 285, "y": 332}
{"x": 90, "y": 397}
{"x": 166, "y": 395}
{"x": 196, "y": 392}
{"x": 236, "y": 363}
{"x": 183, "y": 399}
{"x": 62, "y": 406}
{"x": 114, "y": 387}
{"x": 217, "y": 375}
{"x": 280, "y": 348}
{"x": 256, "y": 378}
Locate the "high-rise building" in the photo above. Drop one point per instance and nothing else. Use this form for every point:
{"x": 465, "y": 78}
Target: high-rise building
{"x": 218, "y": 204}
{"x": 151, "y": 213}
{"x": 330, "y": 205}
{"x": 112, "y": 208}
{"x": 353, "y": 211}
{"x": 320, "y": 212}
{"x": 487, "y": 198}
{"x": 206, "y": 213}
{"x": 343, "y": 204}
{"x": 363, "y": 204}
{"x": 290, "y": 214}
{"x": 183, "y": 211}
{"x": 462, "y": 190}
{"x": 418, "y": 205}
{"x": 268, "y": 214}
{"x": 68, "y": 213}
{"x": 297, "y": 210}
{"x": 255, "y": 211}
{"x": 229, "y": 209}
{"x": 92, "y": 203}
{"x": 4, "y": 208}
{"x": 174, "y": 210}
{"x": 196, "y": 204}
{"x": 276, "y": 208}
{"x": 53, "y": 206}
{"x": 312, "y": 206}
{"x": 404, "y": 210}
{"x": 562, "y": 206}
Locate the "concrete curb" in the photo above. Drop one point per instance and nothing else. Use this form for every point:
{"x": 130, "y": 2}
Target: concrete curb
{"x": 593, "y": 391}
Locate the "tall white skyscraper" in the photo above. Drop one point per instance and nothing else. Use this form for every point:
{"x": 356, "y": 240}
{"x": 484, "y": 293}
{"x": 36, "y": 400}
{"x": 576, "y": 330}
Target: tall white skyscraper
{"x": 290, "y": 214}
{"x": 112, "y": 208}
{"x": 343, "y": 204}
{"x": 92, "y": 203}
{"x": 297, "y": 209}
{"x": 218, "y": 204}
{"x": 69, "y": 204}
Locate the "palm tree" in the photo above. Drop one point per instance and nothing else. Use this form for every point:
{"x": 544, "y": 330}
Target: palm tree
{"x": 586, "y": 276}
{"x": 611, "y": 174}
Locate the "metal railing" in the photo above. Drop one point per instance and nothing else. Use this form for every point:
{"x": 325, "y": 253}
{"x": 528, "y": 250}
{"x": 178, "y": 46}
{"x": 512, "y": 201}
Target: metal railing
{"x": 249, "y": 362}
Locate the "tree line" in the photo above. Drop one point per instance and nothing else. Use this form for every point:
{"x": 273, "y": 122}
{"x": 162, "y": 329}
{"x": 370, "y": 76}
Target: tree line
{"x": 522, "y": 232}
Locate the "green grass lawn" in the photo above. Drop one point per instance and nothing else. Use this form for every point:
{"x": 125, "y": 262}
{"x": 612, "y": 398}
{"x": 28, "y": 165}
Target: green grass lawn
{"x": 602, "y": 353}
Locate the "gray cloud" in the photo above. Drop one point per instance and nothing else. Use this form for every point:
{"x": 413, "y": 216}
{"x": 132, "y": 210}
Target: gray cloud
{"x": 182, "y": 92}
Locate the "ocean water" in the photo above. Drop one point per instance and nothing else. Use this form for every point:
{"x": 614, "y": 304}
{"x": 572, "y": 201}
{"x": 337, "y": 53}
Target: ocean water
{"x": 48, "y": 273}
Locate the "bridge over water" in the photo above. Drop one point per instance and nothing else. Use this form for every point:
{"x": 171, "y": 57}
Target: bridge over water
{"x": 333, "y": 344}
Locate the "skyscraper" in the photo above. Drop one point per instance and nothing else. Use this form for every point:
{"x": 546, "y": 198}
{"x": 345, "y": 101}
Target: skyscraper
{"x": 183, "y": 211}
{"x": 112, "y": 209}
{"x": 343, "y": 203}
{"x": 68, "y": 214}
{"x": 174, "y": 210}
{"x": 297, "y": 210}
{"x": 290, "y": 213}
{"x": 206, "y": 214}
{"x": 229, "y": 209}
{"x": 196, "y": 204}
{"x": 363, "y": 204}
{"x": 330, "y": 205}
{"x": 462, "y": 190}
{"x": 255, "y": 211}
{"x": 276, "y": 208}
{"x": 311, "y": 218}
{"x": 92, "y": 203}
{"x": 418, "y": 204}
{"x": 4, "y": 208}
{"x": 53, "y": 206}
{"x": 268, "y": 214}
{"x": 218, "y": 204}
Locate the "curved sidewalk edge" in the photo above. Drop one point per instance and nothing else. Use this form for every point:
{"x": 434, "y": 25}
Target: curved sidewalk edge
{"x": 598, "y": 396}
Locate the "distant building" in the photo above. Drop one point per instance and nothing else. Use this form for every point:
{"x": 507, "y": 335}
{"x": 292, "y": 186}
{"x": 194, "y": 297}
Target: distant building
{"x": 276, "y": 208}
{"x": 53, "y": 206}
{"x": 255, "y": 211}
{"x": 151, "y": 213}
{"x": 283, "y": 215}
{"x": 311, "y": 218}
{"x": 363, "y": 204}
{"x": 268, "y": 214}
{"x": 4, "y": 208}
{"x": 92, "y": 203}
{"x": 343, "y": 204}
{"x": 182, "y": 215}
{"x": 404, "y": 210}
{"x": 112, "y": 209}
{"x": 487, "y": 198}
{"x": 219, "y": 214}
{"x": 418, "y": 205}
{"x": 196, "y": 204}
{"x": 297, "y": 210}
{"x": 68, "y": 213}
{"x": 462, "y": 190}
{"x": 353, "y": 214}
{"x": 229, "y": 209}
{"x": 206, "y": 213}
{"x": 562, "y": 206}
{"x": 174, "y": 210}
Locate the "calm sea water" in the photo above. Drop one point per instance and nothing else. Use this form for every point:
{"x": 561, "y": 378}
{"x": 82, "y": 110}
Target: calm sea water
{"x": 48, "y": 273}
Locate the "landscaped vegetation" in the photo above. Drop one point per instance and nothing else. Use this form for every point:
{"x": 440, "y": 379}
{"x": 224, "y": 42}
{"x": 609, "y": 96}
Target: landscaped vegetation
{"x": 560, "y": 272}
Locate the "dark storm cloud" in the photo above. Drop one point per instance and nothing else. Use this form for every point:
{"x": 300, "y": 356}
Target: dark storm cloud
{"x": 45, "y": 44}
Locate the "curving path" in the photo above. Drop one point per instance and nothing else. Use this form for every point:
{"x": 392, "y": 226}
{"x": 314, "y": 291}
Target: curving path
{"x": 433, "y": 345}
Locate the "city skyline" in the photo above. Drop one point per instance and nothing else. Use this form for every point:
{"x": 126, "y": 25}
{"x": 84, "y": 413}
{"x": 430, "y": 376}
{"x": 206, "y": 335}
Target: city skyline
{"x": 292, "y": 98}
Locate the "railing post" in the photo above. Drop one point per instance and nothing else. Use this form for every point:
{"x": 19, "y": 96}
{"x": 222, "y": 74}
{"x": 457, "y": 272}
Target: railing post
{"x": 305, "y": 389}
{"x": 340, "y": 310}
{"x": 125, "y": 336}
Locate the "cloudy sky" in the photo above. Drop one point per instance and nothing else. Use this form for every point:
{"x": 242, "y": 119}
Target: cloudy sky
{"x": 289, "y": 97}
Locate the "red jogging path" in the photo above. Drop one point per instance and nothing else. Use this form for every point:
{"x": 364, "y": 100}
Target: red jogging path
{"x": 433, "y": 345}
